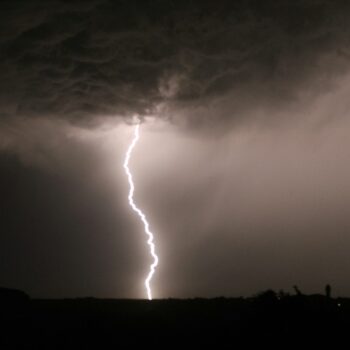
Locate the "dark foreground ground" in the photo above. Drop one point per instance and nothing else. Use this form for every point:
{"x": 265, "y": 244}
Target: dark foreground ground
{"x": 267, "y": 319}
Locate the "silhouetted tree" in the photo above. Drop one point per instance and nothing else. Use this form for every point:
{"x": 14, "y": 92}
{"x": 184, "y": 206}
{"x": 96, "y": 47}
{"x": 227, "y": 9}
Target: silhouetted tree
{"x": 266, "y": 299}
{"x": 282, "y": 294}
{"x": 297, "y": 290}
{"x": 328, "y": 290}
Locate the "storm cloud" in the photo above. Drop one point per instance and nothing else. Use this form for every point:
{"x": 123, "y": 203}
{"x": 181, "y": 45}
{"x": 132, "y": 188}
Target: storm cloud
{"x": 197, "y": 60}
{"x": 242, "y": 167}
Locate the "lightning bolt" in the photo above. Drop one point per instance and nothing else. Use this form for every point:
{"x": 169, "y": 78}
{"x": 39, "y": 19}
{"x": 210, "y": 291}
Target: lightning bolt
{"x": 139, "y": 212}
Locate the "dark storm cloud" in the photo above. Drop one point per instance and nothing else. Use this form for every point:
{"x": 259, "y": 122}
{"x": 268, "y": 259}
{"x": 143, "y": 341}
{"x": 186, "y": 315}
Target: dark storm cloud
{"x": 85, "y": 59}
{"x": 262, "y": 205}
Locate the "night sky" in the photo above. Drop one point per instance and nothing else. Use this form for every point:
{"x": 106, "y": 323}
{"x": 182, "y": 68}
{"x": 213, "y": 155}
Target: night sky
{"x": 243, "y": 164}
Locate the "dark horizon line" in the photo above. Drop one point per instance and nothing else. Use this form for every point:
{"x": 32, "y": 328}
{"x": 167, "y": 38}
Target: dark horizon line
{"x": 280, "y": 294}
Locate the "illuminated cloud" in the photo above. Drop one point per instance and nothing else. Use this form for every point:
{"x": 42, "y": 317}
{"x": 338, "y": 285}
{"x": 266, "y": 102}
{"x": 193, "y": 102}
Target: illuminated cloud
{"x": 84, "y": 60}
{"x": 250, "y": 192}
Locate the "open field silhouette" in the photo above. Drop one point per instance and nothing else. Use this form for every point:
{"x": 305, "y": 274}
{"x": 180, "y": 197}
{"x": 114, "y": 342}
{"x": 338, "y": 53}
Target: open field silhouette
{"x": 97, "y": 323}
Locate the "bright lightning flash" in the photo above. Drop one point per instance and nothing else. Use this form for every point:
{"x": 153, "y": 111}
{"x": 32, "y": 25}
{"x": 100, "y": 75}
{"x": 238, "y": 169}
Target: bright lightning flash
{"x": 139, "y": 212}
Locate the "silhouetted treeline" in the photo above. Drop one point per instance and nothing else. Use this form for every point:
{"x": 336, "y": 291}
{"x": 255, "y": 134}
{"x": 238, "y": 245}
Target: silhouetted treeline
{"x": 12, "y": 299}
{"x": 267, "y": 318}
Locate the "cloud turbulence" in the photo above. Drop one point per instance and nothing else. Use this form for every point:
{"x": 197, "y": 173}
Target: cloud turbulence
{"x": 82, "y": 59}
